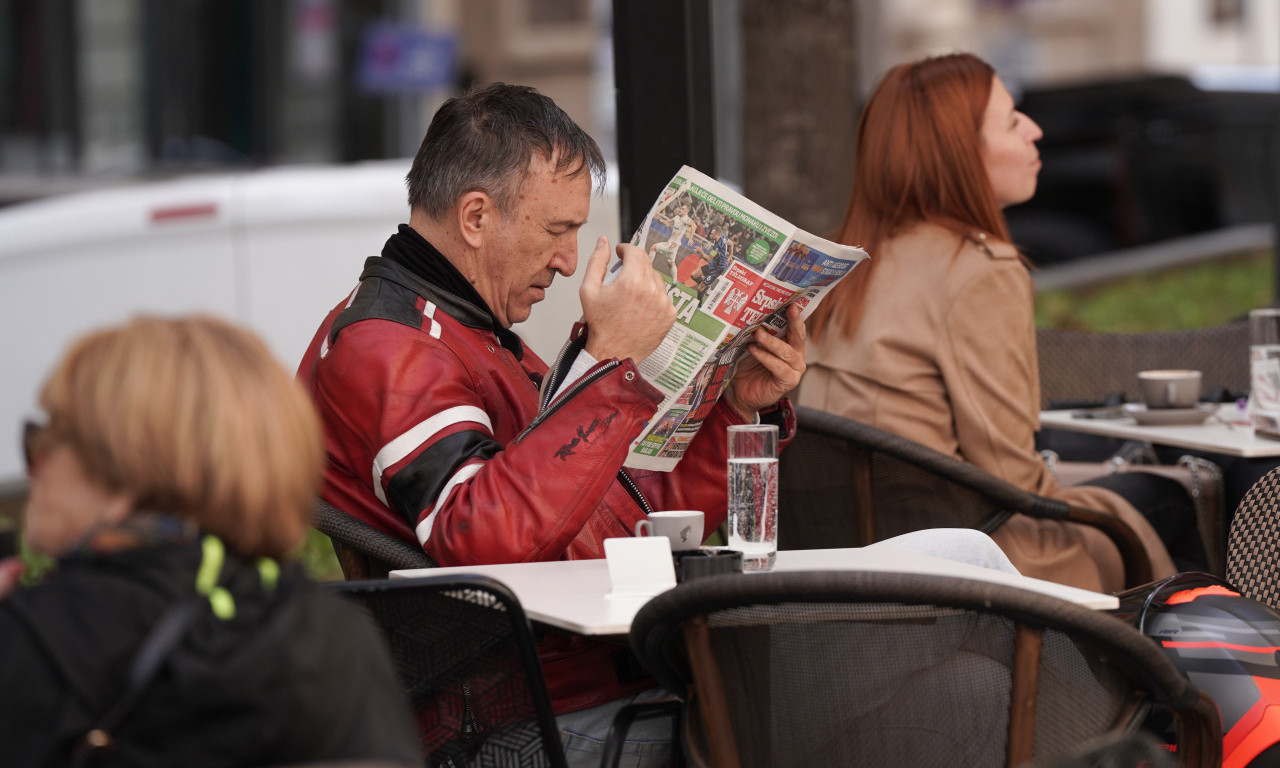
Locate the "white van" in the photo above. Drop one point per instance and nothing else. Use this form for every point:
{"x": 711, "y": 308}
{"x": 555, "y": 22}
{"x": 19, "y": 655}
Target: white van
{"x": 274, "y": 249}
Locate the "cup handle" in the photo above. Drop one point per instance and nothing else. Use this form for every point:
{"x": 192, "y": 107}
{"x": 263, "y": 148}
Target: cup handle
{"x": 643, "y": 525}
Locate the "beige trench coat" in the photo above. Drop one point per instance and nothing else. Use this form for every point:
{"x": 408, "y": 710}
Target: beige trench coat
{"x": 945, "y": 355}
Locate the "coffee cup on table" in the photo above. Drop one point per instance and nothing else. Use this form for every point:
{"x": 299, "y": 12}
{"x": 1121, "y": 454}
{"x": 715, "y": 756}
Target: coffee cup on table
{"x": 1170, "y": 388}
{"x": 682, "y": 526}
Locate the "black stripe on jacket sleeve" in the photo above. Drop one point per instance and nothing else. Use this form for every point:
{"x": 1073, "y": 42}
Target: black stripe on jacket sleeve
{"x": 417, "y": 485}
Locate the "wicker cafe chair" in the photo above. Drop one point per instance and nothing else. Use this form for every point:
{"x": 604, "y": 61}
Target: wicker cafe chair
{"x": 1079, "y": 368}
{"x": 846, "y": 484}
{"x": 1253, "y": 554}
{"x": 365, "y": 552}
{"x": 877, "y": 668}
{"x": 466, "y": 657}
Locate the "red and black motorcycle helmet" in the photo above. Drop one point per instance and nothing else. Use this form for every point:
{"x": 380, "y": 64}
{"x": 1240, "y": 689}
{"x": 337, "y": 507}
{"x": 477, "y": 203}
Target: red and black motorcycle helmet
{"x": 1229, "y": 647}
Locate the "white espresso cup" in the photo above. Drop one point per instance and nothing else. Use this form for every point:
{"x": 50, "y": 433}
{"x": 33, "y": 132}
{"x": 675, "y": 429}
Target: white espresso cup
{"x": 682, "y": 526}
{"x": 1170, "y": 388}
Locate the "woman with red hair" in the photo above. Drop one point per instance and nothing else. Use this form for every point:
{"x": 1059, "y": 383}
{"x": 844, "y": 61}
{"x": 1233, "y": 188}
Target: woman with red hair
{"x": 933, "y": 337}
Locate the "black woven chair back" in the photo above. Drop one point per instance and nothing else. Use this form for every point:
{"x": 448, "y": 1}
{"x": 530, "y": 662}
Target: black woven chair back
{"x": 365, "y": 552}
{"x": 843, "y": 483}
{"x": 875, "y": 669}
{"x": 464, "y": 652}
{"x": 836, "y": 473}
{"x": 1081, "y": 367}
{"x": 1253, "y": 548}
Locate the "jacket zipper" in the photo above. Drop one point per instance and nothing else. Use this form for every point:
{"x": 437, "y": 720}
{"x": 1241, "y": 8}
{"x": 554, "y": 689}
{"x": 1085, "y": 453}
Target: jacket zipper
{"x": 550, "y": 384}
{"x": 634, "y": 490}
{"x": 573, "y": 390}
{"x": 623, "y": 477}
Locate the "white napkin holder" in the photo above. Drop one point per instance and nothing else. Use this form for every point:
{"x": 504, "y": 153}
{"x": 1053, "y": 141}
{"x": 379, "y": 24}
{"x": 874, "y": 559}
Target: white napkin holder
{"x": 639, "y": 567}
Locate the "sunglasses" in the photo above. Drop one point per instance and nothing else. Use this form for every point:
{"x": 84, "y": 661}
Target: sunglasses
{"x": 32, "y": 432}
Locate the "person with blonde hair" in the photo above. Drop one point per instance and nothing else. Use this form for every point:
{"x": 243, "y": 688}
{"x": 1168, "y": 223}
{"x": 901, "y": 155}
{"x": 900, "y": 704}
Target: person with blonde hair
{"x": 173, "y": 473}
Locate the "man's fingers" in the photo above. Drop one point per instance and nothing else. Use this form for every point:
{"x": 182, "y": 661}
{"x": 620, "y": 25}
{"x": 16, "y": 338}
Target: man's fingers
{"x": 779, "y": 348}
{"x": 796, "y": 340}
{"x": 799, "y": 332}
{"x": 785, "y": 371}
{"x": 597, "y": 263}
{"x": 636, "y": 262}
{"x": 781, "y": 370}
{"x": 632, "y": 255}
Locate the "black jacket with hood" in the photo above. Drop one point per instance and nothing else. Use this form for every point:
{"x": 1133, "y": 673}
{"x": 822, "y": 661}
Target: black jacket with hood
{"x": 291, "y": 674}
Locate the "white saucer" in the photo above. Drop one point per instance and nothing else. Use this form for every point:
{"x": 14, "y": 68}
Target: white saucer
{"x": 1169, "y": 417}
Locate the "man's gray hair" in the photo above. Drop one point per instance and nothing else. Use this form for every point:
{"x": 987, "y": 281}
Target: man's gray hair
{"x": 485, "y": 140}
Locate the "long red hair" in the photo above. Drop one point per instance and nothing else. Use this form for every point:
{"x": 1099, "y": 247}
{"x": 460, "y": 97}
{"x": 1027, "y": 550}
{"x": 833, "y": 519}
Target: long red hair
{"x": 917, "y": 158}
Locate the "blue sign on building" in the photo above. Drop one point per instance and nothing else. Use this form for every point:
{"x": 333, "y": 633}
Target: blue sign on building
{"x": 402, "y": 59}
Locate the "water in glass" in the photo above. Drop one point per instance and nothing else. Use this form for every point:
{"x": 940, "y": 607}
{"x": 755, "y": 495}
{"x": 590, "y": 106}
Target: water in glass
{"x": 753, "y": 511}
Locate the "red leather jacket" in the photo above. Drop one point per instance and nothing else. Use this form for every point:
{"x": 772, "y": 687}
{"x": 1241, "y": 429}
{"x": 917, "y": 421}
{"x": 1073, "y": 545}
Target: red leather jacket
{"x": 435, "y": 433}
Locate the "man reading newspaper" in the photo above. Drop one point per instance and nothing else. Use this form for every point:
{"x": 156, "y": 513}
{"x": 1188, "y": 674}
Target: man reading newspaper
{"x": 434, "y": 426}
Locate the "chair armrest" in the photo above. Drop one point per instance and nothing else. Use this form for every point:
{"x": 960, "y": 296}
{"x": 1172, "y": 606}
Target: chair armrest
{"x": 667, "y": 706}
{"x": 1004, "y": 497}
{"x": 1137, "y": 565}
{"x": 364, "y": 538}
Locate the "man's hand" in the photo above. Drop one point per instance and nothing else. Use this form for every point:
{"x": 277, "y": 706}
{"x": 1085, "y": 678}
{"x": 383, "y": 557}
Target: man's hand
{"x": 771, "y": 369}
{"x": 629, "y": 316}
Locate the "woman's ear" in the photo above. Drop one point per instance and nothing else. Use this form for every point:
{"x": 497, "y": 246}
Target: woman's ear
{"x": 117, "y": 506}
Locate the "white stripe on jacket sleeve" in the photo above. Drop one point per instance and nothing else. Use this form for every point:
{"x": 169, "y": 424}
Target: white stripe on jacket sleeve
{"x": 461, "y": 476}
{"x": 420, "y": 433}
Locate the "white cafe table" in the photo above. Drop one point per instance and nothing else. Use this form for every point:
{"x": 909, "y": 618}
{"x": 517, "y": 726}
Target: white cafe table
{"x": 573, "y": 594}
{"x": 1226, "y": 433}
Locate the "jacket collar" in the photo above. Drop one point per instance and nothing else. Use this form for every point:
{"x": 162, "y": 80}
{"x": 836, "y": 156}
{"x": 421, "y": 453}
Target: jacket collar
{"x": 994, "y": 246}
{"x": 989, "y": 244}
{"x": 473, "y": 314}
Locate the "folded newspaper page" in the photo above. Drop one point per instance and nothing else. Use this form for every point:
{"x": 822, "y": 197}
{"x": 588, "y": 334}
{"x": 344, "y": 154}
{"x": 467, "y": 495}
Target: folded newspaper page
{"x": 730, "y": 267}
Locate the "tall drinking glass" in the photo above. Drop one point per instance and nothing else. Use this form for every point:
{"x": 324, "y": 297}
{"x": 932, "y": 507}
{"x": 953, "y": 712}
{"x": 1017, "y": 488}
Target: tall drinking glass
{"x": 1264, "y": 365}
{"x": 753, "y": 494}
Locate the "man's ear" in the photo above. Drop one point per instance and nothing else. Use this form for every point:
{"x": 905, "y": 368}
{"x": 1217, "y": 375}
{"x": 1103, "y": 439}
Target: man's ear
{"x": 476, "y": 216}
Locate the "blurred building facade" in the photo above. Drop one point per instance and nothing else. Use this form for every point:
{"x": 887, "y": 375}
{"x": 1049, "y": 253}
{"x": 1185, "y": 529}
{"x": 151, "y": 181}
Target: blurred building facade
{"x": 94, "y": 92}
{"x": 98, "y": 91}
{"x": 1048, "y": 42}
{"x": 798, "y": 148}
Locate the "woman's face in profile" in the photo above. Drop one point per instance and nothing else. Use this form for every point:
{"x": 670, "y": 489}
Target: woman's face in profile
{"x": 64, "y": 503}
{"x": 1009, "y": 148}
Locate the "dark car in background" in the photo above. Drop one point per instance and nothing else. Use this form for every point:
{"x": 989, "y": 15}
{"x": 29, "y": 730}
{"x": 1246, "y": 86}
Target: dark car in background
{"x": 1137, "y": 161}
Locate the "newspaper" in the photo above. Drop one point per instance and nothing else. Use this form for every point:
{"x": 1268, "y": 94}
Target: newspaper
{"x": 731, "y": 267}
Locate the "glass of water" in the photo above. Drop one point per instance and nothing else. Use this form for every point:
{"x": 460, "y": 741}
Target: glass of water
{"x": 753, "y": 494}
{"x": 1264, "y": 364}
